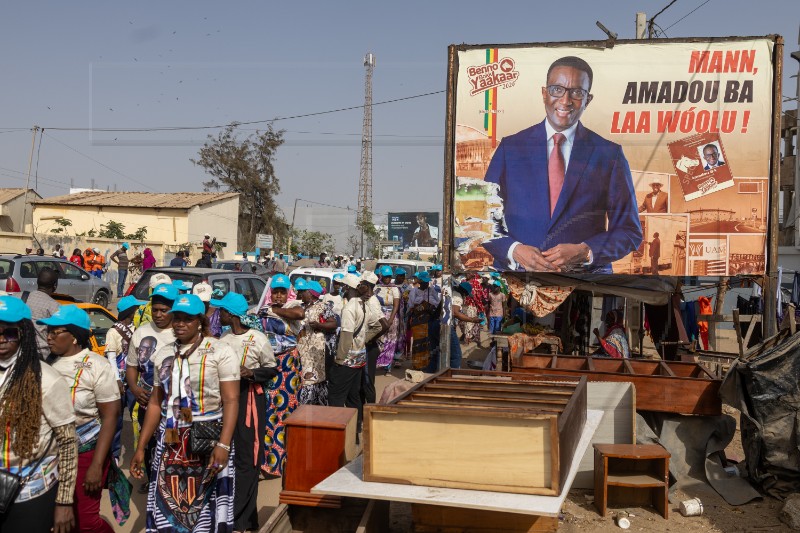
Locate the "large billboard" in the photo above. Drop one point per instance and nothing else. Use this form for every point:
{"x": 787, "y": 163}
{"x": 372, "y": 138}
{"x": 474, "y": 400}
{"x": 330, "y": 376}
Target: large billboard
{"x": 415, "y": 231}
{"x": 641, "y": 158}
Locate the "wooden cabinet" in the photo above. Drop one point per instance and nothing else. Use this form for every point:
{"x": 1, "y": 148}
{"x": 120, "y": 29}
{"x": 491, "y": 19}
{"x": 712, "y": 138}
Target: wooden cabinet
{"x": 478, "y": 430}
{"x": 635, "y": 474}
{"x": 319, "y": 441}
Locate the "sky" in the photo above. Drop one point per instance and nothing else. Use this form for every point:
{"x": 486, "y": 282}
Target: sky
{"x": 87, "y": 65}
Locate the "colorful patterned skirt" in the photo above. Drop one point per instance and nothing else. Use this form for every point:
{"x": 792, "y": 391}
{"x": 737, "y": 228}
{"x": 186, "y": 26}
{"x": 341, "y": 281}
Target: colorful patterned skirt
{"x": 183, "y": 498}
{"x": 400, "y": 348}
{"x": 282, "y": 401}
{"x": 388, "y": 343}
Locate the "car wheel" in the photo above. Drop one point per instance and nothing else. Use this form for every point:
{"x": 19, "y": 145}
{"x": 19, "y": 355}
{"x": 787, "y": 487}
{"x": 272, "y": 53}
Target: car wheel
{"x": 101, "y": 298}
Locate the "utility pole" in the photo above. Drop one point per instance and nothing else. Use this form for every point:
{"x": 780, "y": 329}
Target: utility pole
{"x": 28, "y": 181}
{"x": 365, "y": 182}
{"x": 291, "y": 231}
{"x": 641, "y": 25}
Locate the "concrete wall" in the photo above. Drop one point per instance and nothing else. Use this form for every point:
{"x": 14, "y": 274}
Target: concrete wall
{"x": 219, "y": 219}
{"x": 163, "y": 225}
{"x": 12, "y": 211}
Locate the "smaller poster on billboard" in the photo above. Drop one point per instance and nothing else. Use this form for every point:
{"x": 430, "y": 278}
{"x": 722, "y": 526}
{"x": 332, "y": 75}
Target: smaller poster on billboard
{"x": 415, "y": 231}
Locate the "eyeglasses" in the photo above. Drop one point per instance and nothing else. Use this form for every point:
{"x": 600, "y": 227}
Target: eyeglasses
{"x": 56, "y": 332}
{"x": 10, "y": 334}
{"x": 576, "y": 93}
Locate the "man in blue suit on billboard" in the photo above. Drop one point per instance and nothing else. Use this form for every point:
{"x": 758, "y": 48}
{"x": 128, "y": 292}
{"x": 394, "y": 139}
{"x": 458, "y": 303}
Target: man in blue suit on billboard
{"x": 568, "y": 196}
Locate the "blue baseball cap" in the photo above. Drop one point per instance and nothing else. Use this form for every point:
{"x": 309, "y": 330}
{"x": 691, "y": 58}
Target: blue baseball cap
{"x": 68, "y": 315}
{"x": 466, "y": 287}
{"x": 495, "y": 274}
{"x": 126, "y": 245}
{"x": 315, "y": 286}
{"x": 300, "y": 284}
{"x": 166, "y": 291}
{"x": 339, "y": 276}
{"x": 435, "y": 267}
{"x": 386, "y": 270}
{"x": 190, "y": 304}
{"x": 352, "y": 269}
{"x": 423, "y": 276}
{"x": 399, "y": 271}
{"x": 280, "y": 281}
{"x": 129, "y": 301}
{"x": 13, "y": 309}
{"x": 181, "y": 285}
{"x": 233, "y": 302}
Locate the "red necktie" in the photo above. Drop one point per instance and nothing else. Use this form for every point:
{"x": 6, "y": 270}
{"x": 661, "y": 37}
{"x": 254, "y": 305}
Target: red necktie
{"x": 555, "y": 170}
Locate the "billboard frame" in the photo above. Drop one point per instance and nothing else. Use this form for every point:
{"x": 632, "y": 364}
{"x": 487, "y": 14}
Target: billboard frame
{"x": 769, "y": 279}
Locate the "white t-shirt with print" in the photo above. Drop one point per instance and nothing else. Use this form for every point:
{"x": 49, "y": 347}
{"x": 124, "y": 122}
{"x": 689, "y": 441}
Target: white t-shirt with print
{"x": 90, "y": 380}
{"x": 252, "y": 349}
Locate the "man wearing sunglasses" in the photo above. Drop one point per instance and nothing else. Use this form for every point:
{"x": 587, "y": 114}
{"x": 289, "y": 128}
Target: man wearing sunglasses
{"x": 568, "y": 197}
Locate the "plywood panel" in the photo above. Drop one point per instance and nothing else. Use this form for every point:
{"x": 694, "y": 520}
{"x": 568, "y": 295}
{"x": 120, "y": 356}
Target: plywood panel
{"x": 446, "y": 450}
{"x": 617, "y": 401}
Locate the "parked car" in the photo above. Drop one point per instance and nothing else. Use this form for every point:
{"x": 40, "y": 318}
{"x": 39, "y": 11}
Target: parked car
{"x": 239, "y": 265}
{"x": 411, "y": 267}
{"x": 322, "y": 275}
{"x": 249, "y": 285}
{"x": 18, "y": 274}
{"x": 102, "y": 320}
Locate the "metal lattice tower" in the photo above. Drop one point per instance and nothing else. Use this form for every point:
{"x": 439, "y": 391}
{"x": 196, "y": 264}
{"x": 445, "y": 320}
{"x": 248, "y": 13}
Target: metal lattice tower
{"x": 365, "y": 181}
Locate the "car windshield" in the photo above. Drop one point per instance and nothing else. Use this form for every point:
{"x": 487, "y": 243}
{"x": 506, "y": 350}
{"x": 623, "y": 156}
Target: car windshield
{"x": 5, "y": 268}
{"x": 225, "y": 266}
{"x": 101, "y": 323}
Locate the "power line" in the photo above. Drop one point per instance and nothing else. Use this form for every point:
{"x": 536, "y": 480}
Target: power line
{"x": 100, "y": 163}
{"x": 687, "y": 14}
{"x": 248, "y": 123}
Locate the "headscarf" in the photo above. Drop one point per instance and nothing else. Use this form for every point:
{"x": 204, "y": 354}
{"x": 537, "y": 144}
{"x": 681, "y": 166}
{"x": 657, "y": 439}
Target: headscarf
{"x": 149, "y": 261}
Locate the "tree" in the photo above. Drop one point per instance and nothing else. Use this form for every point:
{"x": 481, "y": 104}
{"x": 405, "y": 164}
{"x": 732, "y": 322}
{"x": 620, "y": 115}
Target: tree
{"x": 353, "y": 245}
{"x": 246, "y": 165}
{"x": 63, "y": 223}
{"x": 112, "y": 230}
{"x": 312, "y": 243}
{"x": 372, "y": 236}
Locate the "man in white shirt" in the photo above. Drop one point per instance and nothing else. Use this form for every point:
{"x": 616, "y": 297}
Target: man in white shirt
{"x": 346, "y": 373}
{"x": 377, "y": 326}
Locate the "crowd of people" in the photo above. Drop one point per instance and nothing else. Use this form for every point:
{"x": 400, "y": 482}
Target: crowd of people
{"x": 208, "y": 383}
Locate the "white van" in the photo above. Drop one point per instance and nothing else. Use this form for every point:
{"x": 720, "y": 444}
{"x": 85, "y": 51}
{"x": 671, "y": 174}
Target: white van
{"x": 324, "y": 276}
{"x": 410, "y": 266}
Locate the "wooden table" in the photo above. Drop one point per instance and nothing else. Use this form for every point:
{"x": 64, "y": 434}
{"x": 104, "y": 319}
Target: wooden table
{"x": 635, "y": 474}
{"x": 319, "y": 441}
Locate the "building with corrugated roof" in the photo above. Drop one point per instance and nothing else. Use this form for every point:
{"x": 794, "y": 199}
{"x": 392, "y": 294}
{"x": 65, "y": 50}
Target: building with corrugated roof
{"x": 12, "y": 209}
{"x": 171, "y": 218}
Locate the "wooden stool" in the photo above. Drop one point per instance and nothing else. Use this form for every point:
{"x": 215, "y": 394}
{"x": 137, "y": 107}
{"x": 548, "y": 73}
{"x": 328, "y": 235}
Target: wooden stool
{"x": 632, "y": 473}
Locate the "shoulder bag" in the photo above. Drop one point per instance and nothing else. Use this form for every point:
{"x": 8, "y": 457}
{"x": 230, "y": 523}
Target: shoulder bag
{"x": 11, "y": 484}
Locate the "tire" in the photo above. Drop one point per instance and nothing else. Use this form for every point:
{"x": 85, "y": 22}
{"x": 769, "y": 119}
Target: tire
{"x": 101, "y": 298}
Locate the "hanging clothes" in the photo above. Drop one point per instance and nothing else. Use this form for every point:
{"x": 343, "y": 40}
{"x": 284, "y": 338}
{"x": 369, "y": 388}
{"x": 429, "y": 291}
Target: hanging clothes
{"x": 705, "y": 309}
{"x": 796, "y": 289}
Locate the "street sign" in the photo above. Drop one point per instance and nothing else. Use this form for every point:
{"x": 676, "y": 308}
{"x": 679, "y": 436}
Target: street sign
{"x": 263, "y": 240}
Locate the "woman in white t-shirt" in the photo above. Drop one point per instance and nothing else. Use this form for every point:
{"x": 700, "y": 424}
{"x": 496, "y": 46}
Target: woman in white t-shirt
{"x": 94, "y": 395}
{"x": 40, "y": 439}
{"x": 195, "y": 381}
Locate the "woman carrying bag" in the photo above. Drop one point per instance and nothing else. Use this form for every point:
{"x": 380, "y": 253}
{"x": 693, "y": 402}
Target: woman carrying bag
{"x": 94, "y": 395}
{"x": 38, "y": 442}
{"x": 193, "y": 408}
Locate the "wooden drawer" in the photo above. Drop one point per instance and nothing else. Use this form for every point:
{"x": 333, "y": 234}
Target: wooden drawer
{"x": 478, "y": 430}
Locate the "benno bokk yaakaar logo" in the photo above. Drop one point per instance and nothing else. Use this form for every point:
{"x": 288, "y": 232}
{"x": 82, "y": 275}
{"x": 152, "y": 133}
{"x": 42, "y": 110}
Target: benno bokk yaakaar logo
{"x": 498, "y": 74}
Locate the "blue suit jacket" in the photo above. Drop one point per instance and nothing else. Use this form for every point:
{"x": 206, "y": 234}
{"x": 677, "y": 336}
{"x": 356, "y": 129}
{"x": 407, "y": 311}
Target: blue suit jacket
{"x": 597, "y": 188}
